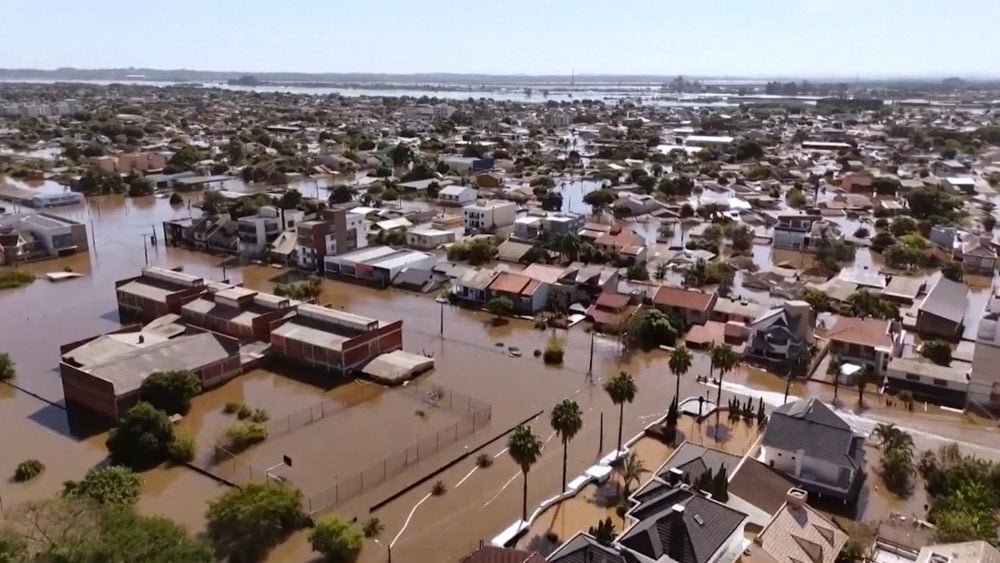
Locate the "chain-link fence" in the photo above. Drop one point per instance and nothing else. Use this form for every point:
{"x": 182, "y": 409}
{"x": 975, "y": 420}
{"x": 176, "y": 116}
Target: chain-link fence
{"x": 305, "y": 417}
{"x": 350, "y": 487}
{"x": 437, "y": 396}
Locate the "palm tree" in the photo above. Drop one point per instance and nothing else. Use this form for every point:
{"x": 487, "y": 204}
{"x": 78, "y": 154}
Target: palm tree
{"x": 798, "y": 359}
{"x": 890, "y": 437}
{"x": 569, "y": 245}
{"x": 566, "y": 420}
{"x": 621, "y": 389}
{"x": 524, "y": 448}
{"x": 680, "y": 363}
{"x": 863, "y": 378}
{"x": 373, "y": 528}
{"x": 632, "y": 470}
{"x": 724, "y": 358}
{"x": 836, "y": 363}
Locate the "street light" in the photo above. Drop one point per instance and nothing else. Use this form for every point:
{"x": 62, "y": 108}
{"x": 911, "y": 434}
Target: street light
{"x": 388, "y": 549}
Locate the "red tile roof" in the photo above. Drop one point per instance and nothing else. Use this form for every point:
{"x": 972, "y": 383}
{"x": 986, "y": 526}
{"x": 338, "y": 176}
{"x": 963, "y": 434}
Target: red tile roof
{"x": 507, "y": 282}
{"x": 491, "y": 554}
{"x": 612, "y": 300}
{"x": 683, "y": 298}
{"x": 862, "y": 331}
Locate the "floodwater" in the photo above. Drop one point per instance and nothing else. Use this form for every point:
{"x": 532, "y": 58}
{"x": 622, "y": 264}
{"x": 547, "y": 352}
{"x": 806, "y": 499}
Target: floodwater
{"x": 479, "y": 502}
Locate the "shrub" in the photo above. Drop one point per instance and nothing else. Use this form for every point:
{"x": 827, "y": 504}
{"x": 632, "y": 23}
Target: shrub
{"x": 6, "y": 367}
{"x": 244, "y": 412}
{"x": 439, "y": 489}
{"x": 170, "y": 391}
{"x": 114, "y": 485}
{"x": 241, "y": 436}
{"x": 259, "y": 415}
{"x": 232, "y": 407}
{"x": 13, "y": 279}
{"x": 176, "y": 199}
{"x": 484, "y": 460}
{"x": 141, "y": 438}
{"x": 28, "y": 470}
{"x": 553, "y": 354}
{"x": 336, "y": 538}
{"x": 181, "y": 449}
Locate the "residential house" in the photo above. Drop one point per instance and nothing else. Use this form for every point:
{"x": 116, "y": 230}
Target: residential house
{"x": 156, "y": 292}
{"x": 813, "y": 446}
{"x": 494, "y": 554}
{"x": 623, "y": 244}
{"x": 964, "y": 552}
{"x": 528, "y": 295}
{"x": 426, "y": 238}
{"x": 457, "y": 195}
{"x": 942, "y": 311}
{"x": 781, "y": 329}
{"x": 797, "y": 533}
{"x": 460, "y": 164}
{"x": 258, "y": 231}
{"x": 104, "y": 374}
{"x": 978, "y": 255}
{"x": 636, "y": 204}
{"x": 535, "y": 226}
{"x": 856, "y": 182}
{"x": 742, "y": 311}
{"x": 472, "y": 286}
{"x": 963, "y": 185}
{"x": 610, "y": 310}
{"x": 691, "y": 305}
{"x": 804, "y": 232}
{"x": 866, "y": 342}
{"x": 333, "y": 339}
{"x": 488, "y": 216}
{"x": 218, "y": 233}
{"x": 927, "y": 381}
{"x": 984, "y": 380}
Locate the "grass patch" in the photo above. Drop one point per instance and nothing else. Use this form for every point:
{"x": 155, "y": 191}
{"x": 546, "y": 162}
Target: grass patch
{"x": 13, "y": 279}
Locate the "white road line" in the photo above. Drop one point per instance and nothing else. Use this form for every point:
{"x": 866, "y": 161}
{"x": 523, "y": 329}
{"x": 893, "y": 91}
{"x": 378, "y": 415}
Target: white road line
{"x": 407, "y": 522}
{"x": 467, "y": 475}
{"x": 505, "y": 485}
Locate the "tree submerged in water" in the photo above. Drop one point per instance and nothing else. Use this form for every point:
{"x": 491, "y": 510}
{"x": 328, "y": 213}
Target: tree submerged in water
{"x": 302, "y": 291}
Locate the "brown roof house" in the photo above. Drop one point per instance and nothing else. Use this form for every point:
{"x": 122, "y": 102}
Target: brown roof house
{"x": 942, "y": 311}
{"x": 692, "y": 305}
{"x": 611, "y": 309}
{"x": 528, "y": 295}
{"x": 866, "y": 342}
{"x": 798, "y": 534}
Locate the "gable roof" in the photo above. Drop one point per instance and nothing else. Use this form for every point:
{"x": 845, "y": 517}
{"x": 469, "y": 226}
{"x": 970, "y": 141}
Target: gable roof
{"x": 583, "y": 548}
{"x": 683, "y": 298}
{"x": 811, "y": 426}
{"x": 799, "y": 534}
{"x": 760, "y": 485}
{"x": 862, "y": 331}
{"x": 493, "y": 554}
{"x": 947, "y": 300}
{"x": 694, "y": 460}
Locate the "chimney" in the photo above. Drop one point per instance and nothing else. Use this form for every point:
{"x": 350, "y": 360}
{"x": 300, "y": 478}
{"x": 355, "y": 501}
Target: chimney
{"x": 142, "y": 339}
{"x": 674, "y": 476}
{"x": 796, "y": 498}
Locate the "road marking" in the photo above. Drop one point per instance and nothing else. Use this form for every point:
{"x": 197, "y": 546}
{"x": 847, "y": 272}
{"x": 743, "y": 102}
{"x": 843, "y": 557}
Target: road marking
{"x": 467, "y": 475}
{"x": 407, "y": 522}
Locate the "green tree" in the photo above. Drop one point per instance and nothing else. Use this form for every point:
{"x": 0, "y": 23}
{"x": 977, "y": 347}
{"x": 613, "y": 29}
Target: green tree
{"x": 340, "y": 194}
{"x": 524, "y": 448}
{"x": 720, "y": 485}
{"x": 937, "y": 351}
{"x": 373, "y": 528}
{"x": 863, "y": 379}
{"x": 637, "y": 271}
{"x": 7, "y": 371}
{"x": 599, "y": 199}
{"x": 566, "y": 420}
{"x": 247, "y": 521}
{"x": 890, "y": 437}
{"x": 338, "y": 540}
{"x": 742, "y": 238}
{"x": 170, "y": 391}
{"x": 897, "y": 469}
{"x": 236, "y": 151}
{"x": 680, "y": 363}
{"x": 127, "y": 536}
{"x": 291, "y": 199}
{"x": 724, "y": 358}
{"x": 952, "y": 271}
{"x": 864, "y": 303}
{"x": 632, "y": 469}
{"x": 141, "y": 438}
{"x": 603, "y": 532}
{"x": 500, "y": 306}
{"x": 114, "y": 485}
{"x": 621, "y": 389}
{"x": 926, "y": 202}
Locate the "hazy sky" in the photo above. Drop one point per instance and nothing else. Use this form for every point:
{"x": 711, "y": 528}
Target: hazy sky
{"x": 700, "y": 37}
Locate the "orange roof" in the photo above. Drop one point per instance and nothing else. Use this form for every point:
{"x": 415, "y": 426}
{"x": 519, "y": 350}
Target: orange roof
{"x": 683, "y": 298}
{"x": 863, "y": 331}
{"x": 507, "y": 282}
{"x": 612, "y": 300}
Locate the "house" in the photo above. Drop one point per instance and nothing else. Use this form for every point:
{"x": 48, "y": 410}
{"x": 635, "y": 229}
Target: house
{"x": 804, "y": 232}
{"x": 960, "y": 185}
{"x": 488, "y": 216}
{"x": 610, "y": 310}
{"x": 217, "y": 233}
{"x": 460, "y": 164}
{"x": 798, "y": 534}
{"x": 813, "y": 446}
{"x": 457, "y": 195}
{"x": 489, "y": 180}
{"x": 978, "y": 256}
{"x": 691, "y": 305}
{"x": 866, "y": 342}
{"x": 636, "y": 204}
{"x": 378, "y": 265}
{"x": 256, "y": 232}
{"x": 426, "y": 238}
{"x": 743, "y": 311}
{"x": 927, "y": 381}
{"x": 984, "y": 380}
{"x": 535, "y": 226}
{"x": 41, "y": 234}
{"x": 856, "y": 182}
{"x": 335, "y": 340}
{"x": 104, "y": 374}
{"x": 624, "y": 244}
{"x": 527, "y": 294}
{"x": 494, "y": 554}
{"x": 964, "y": 552}
{"x": 472, "y": 286}
{"x": 156, "y": 292}
{"x": 942, "y": 311}
{"x": 241, "y": 313}
{"x": 781, "y": 329}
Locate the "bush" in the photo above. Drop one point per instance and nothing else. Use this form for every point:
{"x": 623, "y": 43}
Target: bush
{"x": 181, "y": 449}
{"x": 439, "y": 488}
{"x": 141, "y": 438}
{"x": 13, "y": 279}
{"x": 246, "y": 521}
{"x": 28, "y": 470}
{"x": 176, "y": 199}
{"x": 242, "y": 435}
{"x": 6, "y": 367}
{"x": 232, "y": 407}
{"x": 114, "y": 485}
{"x": 553, "y": 354}
{"x": 259, "y": 415}
{"x": 170, "y": 391}
{"x": 337, "y": 539}
{"x": 484, "y": 460}
{"x": 244, "y": 412}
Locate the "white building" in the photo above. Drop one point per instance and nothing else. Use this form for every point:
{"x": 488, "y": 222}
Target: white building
{"x": 256, "y": 232}
{"x": 488, "y": 216}
{"x": 428, "y": 238}
{"x": 457, "y": 195}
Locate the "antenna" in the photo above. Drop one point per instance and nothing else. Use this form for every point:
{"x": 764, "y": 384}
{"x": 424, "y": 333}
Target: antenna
{"x": 572, "y": 77}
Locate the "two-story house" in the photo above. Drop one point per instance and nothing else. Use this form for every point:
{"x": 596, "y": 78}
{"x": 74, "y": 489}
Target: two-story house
{"x": 804, "y": 233}
{"x": 778, "y": 330}
{"x": 693, "y": 306}
{"x": 866, "y": 342}
{"x": 813, "y": 446}
{"x": 942, "y": 311}
{"x": 488, "y": 216}
{"x": 256, "y": 232}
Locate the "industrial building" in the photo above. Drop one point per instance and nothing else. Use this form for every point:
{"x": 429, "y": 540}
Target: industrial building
{"x": 156, "y": 292}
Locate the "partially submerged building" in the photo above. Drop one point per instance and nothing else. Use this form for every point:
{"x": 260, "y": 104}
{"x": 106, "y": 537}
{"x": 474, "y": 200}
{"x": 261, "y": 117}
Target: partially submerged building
{"x": 156, "y": 292}
{"x": 236, "y": 311}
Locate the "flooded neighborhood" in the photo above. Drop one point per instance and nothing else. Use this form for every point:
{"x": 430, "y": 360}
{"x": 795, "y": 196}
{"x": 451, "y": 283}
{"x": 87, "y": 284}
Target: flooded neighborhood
{"x": 258, "y": 317}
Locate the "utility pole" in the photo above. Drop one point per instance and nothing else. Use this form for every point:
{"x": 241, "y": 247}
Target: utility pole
{"x": 590, "y": 369}
{"x": 442, "y": 319}
{"x": 145, "y": 248}
{"x": 600, "y": 444}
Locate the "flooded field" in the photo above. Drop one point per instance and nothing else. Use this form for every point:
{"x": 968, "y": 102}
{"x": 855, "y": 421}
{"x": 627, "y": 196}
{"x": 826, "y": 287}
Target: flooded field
{"x": 479, "y": 502}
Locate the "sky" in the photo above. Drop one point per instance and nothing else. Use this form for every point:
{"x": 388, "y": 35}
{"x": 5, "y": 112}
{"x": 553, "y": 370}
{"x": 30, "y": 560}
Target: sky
{"x": 745, "y": 38}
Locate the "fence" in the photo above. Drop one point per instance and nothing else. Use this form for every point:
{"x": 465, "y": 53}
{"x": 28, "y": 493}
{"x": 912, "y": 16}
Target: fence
{"x": 350, "y": 487}
{"x": 227, "y": 466}
{"x": 304, "y": 417}
{"x": 442, "y": 397}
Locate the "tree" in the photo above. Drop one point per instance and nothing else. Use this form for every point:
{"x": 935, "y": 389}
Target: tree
{"x": 897, "y": 469}
{"x": 725, "y": 359}
{"x": 236, "y": 151}
{"x": 937, "y": 351}
{"x": 603, "y": 532}
{"x": 798, "y": 359}
{"x": 648, "y": 329}
{"x": 373, "y": 528}
{"x": 637, "y": 271}
{"x": 795, "y": 198}
{"x": 340, "y": 194}
{"x": 890, "y": 437}
{"x": 599, "y": 199}
{"x": 114, "y": 485}
{"x": 500, "y": 306}
{"x": 551, "y": 201}
{"x": 213, "y": 203}
{"x": 863, "y": 379}
{"x": 170, "y": 391}
{"x": 742, "y": 238}
{"x": 141, "y": 438}
{"x": 720, "y": 485}
{"x": 952, "y": 271}
{"x": 524, "y": 448}
{"x": 291, "y": 199}
{"x": 621, "y": 389}
{"x": 337, "y": 539}
{"x": 176, "y": 199}
{"x": 566, "y": 420}
{"x": 926, "y": 202}
{"x": 631, "y": 468}
{"x": 183, "y": 160}
{"x": 680, "y": 363}
{"x": 247, "y": 521}
{"x": 7, "y": 371}
{"x": 864, "y": 303}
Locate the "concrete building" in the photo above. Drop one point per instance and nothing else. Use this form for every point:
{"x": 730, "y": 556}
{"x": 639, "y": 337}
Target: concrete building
{"x": 457, "y": 195}
{"x": 488, "y": 216}
{"x": 377, "y": 265}
{"x": 866, "y": 342}
{"x": 156, "y": 292}
{"x": 335, "y": 340}
{"x": 238, "y": 312}
{"x": 942, "y": 311}
{"x": 428, "y": 238}
{"x": 927, "y": 381}
{"x": 692, "y": 306}
{"x": 528, "y": 295}
{"x": 984, "y": 380}
{"x": 537, "y": 226}
{"x": 338, "y": 230}
{"x": 256, "y": 232}
{"x": 33, "y": 235}
{"x": 104, "y": 374}
{"x": 777, "y": 331}
{"x": 804, "y": 232}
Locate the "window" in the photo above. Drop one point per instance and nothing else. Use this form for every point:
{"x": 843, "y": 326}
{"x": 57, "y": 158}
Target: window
{"x": 912, "y": 377}
{"x": 940, "y": 383}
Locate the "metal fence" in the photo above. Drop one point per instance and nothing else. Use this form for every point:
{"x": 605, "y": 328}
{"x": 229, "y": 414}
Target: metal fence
{"x": 434, "y": 395}
{"x": 304, "y": 417}
{"x": 350, "y": 487}
{"x": 228, "y": 466}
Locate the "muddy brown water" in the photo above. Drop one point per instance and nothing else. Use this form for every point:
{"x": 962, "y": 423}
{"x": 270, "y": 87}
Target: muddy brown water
{"x": 37, "y": 319}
